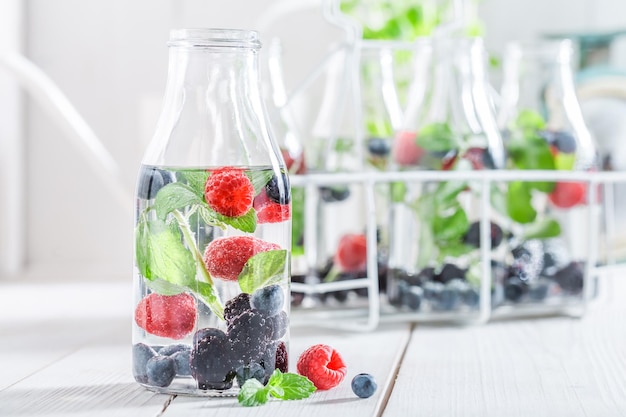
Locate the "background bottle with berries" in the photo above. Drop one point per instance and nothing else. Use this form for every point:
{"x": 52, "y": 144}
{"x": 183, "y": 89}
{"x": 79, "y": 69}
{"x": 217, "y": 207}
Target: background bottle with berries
{"x": 438, "y": 269}
{"x": 212, "y": 226}
{"x": 552, "y": 222}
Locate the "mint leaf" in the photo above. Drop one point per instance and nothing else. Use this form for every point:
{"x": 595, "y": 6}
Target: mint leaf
{"x": 196, "y": 180}
{"x": 174, "y": 196}
{"x": 437, "y": 137}
{"x": 519, "y": 203}
{"x": 259, "y": 179}
{"x": 161, "y": 254}
{"x": 398, "y": 191}
{"x": 252, "y": 393}
{"x": 263, "y": 269}
{"x": 245, "y": 223}
{"x": 292, "y": 386}
{"x": 447, "y": 192}
{"x": 206, "y": 291}
{"x": 529, "y": 120}
{"x": 452, "y": 227}
{"x": 164, "y": 287}
{"x": 297, "y": 220}
{"x": 542, "y": 229}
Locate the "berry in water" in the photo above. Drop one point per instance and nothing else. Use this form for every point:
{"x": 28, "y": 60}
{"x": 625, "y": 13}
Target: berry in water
{"x": 568, "y": 194}
{"x": 268, "y": 299}
{"x": 278, "y": 323}
{"x": 323, "y": 366}
{"x": 412, "y": 297}
{"x": 211, "y": 361}
{"x": 564, "y": 142}
{"x": 267, "y": 211}
{"x": 378, "y": 147}
{"x": 406, "y": 152}
{"x": 570, "y": 278}
{"x": 151, "y": 180}
{"x": 229, "y": 191}
{"x": 181, "y": 361}
{"x": 363, "y": 385}
{"x": 472, "y": 237}
{"x": 142, "y": 353}
{"x": 334, "y": 194}
{"x": 278, "y": 191}
{"x": 249, "y": 371}
{"x": 236, "y": 306}
{"x": 169, "y": 350}
{"x": 282, "y": 358}
{"x": 480, "y": 158}
{"x": 295, "y": 163}
{"x": 161, "y": 371}
{"x": 172, "y": 316}
{"x": 249, "y": 336}
{"x": 351, "y": 253}
{"x": 450, "y": 272}
{"x": 225, "y": 257}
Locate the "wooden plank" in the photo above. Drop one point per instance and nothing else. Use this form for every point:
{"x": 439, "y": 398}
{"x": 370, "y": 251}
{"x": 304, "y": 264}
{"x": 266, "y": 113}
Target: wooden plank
{"x": 544, "y": 367}
{"x": 377, "y": 353}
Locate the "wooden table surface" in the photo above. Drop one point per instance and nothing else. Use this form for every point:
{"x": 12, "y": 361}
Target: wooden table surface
{"x": 65, "y": 350}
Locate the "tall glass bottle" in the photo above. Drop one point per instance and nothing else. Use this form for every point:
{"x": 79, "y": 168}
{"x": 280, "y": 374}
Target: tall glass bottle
{"x": 551, "y": 221}
{"x": 436, "y": 265}
{"x": 212, "y": 227}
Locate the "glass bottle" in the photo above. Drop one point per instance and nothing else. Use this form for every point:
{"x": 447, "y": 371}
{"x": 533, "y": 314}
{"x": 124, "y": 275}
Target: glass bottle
{"x": 551, "y": 224}
{"x": 438, "y": 265}
{"x": 212, "y": 227}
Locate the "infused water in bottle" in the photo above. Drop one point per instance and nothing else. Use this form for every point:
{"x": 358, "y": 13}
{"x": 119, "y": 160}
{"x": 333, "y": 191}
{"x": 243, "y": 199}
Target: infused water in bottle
{"x": 212, "y": 226}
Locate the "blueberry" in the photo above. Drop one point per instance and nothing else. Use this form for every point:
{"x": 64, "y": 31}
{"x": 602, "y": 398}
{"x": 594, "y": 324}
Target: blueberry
{"x": 449, "y": 272}
{"x": 211, "y": 363}
{"x": 171, "y": 349}
{"x": 249, "y": 335}
{"x": 528, "y": 262}
{"x": 161, "y": 371}
{"x": 142, "y": 353}
{"x": 268, "y": 299}
{"x": 450, "y": 296}
{"x": 249, "y": 371}
{"x": 425, "y": 275}
{"x": 151, "y": 180}
{"x": 181, "y": 362}
{"x": 236, "y": 306}
{"x": 539, "y": 290}
{"x": 396, "y": 293}
{"x": 514, "y": 289}
{"x": 470, "y": 297}
{"x": 472, "y": 236}
{"x": 412, "y": 297}
{"x": 548, "y": 135}
{"x": 278, "y": 191}
{"x": 334, "y": 194}
{"x": 432, "y": 291}
{"x": 364, "y": 385}
{"x": 570, "y": 278}
{"x": 378, "y": 146}
{"x": 282, "y": 358}
{"x": 564, "y": 142}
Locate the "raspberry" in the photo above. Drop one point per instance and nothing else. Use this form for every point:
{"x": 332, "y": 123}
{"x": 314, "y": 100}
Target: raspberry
{"x": 229, "y": 191}
{"x": 568, "y": 194}
{"x": 225, "y": 257}
{"x": 406, "y": 151}
{"x": 172, "y": 316}
{"x": 268, "y": 211}
{"x": 323, "y": 366}
{"x": 352, "y": 253}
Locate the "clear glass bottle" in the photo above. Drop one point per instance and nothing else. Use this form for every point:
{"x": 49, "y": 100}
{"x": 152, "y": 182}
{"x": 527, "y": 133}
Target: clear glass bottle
{"x": 212, "y": 227}
{"x": 552, "y": 228}
{"x": 437, "y": 268}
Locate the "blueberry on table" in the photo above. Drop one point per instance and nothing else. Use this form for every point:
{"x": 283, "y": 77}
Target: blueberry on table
{"x": 268, "y": 299}
{"x": 378, "y": 146}
{"x": 151, "y": 180}
{"x": 363, "y": 385}
{"x": 278, "y": 191}
{"x": 142, "y": 353}
{"x": 161, "y": 371}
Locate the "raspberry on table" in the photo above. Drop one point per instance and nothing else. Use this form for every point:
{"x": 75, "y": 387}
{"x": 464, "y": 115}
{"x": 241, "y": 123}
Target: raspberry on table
{"x": 172, "y": 316}
{"x": 225, "y": 257}
{"x": 351, "y": 253}
{"x": 323, "y": 366}
{"x": 229, "y": 191}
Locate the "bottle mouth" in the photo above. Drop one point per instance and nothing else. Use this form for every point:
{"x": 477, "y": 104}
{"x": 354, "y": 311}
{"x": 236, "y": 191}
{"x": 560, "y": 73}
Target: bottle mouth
{"x": 214, "y": 38}
{"x": 558, "y": 50}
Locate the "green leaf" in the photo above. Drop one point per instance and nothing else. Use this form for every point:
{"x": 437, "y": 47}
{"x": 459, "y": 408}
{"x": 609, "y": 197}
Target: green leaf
{"x": 398, "y": 191}
{"x": 252, "y": 393}
{"x": 292, "y": 386}
{"x": 206, "y": 291}
{"x": 262, "y": 269}
{"x": 519, "y": 203}
{"x": 437, "y": 137}
{"x": 245, "y": 223}
{"x": 452, "y": 227}
{"x": 196, "y": 180}
{"x": 174, "y": 196}
{"x": 297, "y": 219}
{"x": 532, "y": 152}
{"x": 161, "y": 254}
{"x": 259, "y": 179}
{"x": 163, "y": 287}
{"x": 529, "y": 120}
{"x": 564, "y": 161}
{"x": 542, "y": 229}
{"x": 448, "y": 191}
{"x": 343, "y": 145}
{"x": 454, "y": 249}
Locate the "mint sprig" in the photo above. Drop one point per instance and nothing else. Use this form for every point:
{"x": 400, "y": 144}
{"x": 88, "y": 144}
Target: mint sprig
{"x": 283, "y": 386}
{"x": 262, "y": 269}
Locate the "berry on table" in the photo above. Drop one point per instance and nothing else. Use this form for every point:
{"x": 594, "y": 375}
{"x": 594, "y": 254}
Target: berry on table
{"x": 363, "y": 385}
{"x": 225, "y": 257}
{"x": 268, "y": 299}
{"x": 568, "y": 194}
{"x": 351, "y": 253}
{"x": 229, "y": 191}
{"x": 172, "y": 316}
{"x": 323, "y": 366}
{"x": 161, "y": 371}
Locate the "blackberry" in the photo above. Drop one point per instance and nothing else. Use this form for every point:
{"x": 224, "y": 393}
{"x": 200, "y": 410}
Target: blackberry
{"x": 278, "y": 191}
{"x": 570, "y": 278}
{"x": 282, "y": 358}
{"x": 161, "y": 371}
{"x": 151, "y": 180}
{"x": 142, "y": 353}
{"x": 236, "y": 306}
{"x": 279, "y": 324}
{"x": 334, "y": 194}
{"x": 268, "y": 361}
{"x": 363, "y": 385}
{"x": 268, "y": 299}
{"x": 449, "y": 272}
{"x": 249, "y": 371}
{"x": 472, "y": 236}
{"x": 211, "y": 363}
{"x": 378, "y": 147}
{"x": 249, "y": 335}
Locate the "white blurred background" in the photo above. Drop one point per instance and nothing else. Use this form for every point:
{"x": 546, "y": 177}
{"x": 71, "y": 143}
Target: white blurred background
{"x": 58, "y": 221}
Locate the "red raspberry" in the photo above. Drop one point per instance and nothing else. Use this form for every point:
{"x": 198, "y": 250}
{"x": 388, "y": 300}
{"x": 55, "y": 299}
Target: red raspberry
{"x": 323, "y": 366}
{"x": 172, "y": 316}
{"x": 405, "y": 150}
{"x": 229, "y": 191}
{"x": 268, "y": 211}
{"x": 351, "y": 253}
{"x": 568, "y": 194}
{"x": 225, "y": 257}
{"x": 294, "y": 165}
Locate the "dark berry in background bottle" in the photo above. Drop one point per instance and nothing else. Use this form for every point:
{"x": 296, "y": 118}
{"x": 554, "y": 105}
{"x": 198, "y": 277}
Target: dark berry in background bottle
{"x": 412, "y": 297}
{"x": 472, "y": 237}
{"x": 378, "y": 146}
{"x": 571, "y": 278}
{"x": 564, "y": 142}
{"x": 151, "y": 180}
{"x": 334, "y": 194}
{"x": 514, "y": 289}
{"x": 449, "y": 272}
{"x": 278, "y": 191}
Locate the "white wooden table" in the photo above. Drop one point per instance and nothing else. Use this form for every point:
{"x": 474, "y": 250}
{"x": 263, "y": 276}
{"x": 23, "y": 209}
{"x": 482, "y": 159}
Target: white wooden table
{"x": 65, "y": 351}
